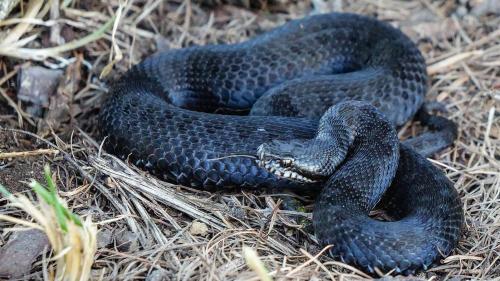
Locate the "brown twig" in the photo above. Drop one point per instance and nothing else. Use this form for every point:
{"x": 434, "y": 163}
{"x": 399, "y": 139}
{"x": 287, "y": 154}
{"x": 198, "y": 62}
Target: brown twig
{"x": 23, "y": 154}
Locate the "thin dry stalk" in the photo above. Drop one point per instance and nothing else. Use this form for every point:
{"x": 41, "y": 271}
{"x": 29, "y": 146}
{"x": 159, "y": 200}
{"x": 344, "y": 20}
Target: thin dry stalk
{"x": 463, "y": 57}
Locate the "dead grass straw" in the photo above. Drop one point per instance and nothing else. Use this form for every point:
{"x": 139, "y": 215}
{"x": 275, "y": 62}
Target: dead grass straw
{"x": 463, "y": 55}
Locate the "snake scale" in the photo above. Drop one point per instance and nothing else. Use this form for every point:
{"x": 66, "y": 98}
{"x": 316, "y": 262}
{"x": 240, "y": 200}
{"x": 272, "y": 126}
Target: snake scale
{"x": 324, "y": 95}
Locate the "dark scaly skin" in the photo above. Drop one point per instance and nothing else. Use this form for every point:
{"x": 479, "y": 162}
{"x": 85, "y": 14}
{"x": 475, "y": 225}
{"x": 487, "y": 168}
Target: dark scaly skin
{"x": 234, "y": 77}
{"x": 423, "y": 202}
{"x": 297, "y": 71}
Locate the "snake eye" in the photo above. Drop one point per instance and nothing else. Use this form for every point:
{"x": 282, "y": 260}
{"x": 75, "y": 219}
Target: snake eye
{"x": 277, "y": 158}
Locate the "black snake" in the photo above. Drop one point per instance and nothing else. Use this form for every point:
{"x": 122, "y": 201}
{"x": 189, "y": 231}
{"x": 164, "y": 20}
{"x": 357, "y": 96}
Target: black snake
{"x": 324, "y": 94}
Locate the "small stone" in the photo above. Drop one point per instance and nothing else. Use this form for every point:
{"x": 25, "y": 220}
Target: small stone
{"x": 461, "y": 11}
{"x": 314, "y": 278}
{"x": 104, "y": 238}
{"x": 198, "y": 228}
{"x": 36, "y": 85}
{"x": 237, "y": 212}
{"x": 157, "y": 275}
{"x": 162, "y": 43}
{"x": 167, "y": 232}
{"x": 126, "y": 241}
{"x": 22, "y": 249}
{"x": 110, "y": 183}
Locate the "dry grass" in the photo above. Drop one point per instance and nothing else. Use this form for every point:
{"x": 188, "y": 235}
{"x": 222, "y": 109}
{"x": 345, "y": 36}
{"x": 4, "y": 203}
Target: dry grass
{"x": 463, "y": 54}
{"x": 73, "y": 241}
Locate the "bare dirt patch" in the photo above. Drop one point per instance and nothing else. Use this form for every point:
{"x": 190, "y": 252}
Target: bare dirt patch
{"x": 16, "y": 172}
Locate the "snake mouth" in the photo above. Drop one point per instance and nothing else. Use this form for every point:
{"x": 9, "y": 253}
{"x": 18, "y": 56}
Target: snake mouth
{"x": 280, "y": 165}
{"x": 276, "y": 167}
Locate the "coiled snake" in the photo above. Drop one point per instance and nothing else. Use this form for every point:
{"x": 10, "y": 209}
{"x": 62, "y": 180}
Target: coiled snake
{"x": 324, "y": 94}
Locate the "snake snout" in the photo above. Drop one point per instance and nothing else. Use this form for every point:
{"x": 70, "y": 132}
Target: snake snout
{"x": 278, "y": 157}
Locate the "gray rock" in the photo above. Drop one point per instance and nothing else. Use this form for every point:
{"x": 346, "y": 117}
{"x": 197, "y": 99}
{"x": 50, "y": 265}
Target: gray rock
{"x": 126, "y": 241}
{"x": 157, "y": 275}
{"x": 36, "y": 85}
{"x": 22, "y": 249}
{"x": 104, "y": 238}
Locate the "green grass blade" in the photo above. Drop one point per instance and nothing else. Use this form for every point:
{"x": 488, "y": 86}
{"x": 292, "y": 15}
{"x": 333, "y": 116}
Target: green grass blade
{"x": 5, "y": 192}
{"x": 61, "y": 218}
{"x": 42, "y": 192}
{"x": 48, "y": 179}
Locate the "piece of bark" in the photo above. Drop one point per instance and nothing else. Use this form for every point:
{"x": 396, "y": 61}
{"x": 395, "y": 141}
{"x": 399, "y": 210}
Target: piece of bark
{"x": 60, "y": 106}
{"x": 36, "y": 85}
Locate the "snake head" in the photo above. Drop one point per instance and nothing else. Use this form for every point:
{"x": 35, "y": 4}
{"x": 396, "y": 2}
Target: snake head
{"x": 297, "y": 160}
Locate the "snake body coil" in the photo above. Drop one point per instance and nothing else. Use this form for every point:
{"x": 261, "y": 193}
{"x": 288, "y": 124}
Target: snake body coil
{"x": 308, "y": 86}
